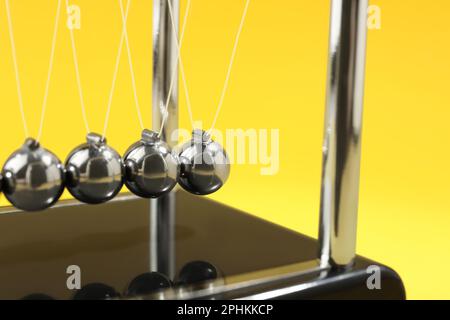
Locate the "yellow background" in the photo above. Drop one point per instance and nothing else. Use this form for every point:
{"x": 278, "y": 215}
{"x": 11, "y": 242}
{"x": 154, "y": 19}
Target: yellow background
{"x": 278, "y": 82}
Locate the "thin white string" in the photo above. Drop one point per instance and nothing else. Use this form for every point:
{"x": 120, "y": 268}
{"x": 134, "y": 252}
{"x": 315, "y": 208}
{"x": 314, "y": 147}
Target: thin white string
{"x": 77, "y": 75}
{"x": 174, "y": 72}
{"x": 230, "y": 66}
{"x": 16, "y": 69}
{"x": 49, "y": 75}
{"x": 180, "y": 61}
{"x": 116, "y": 71}
{"x": 130, "y": 64}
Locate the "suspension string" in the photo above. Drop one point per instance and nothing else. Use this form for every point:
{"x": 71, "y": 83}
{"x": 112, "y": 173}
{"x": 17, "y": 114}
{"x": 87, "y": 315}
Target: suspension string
{"x": 180, "y": 62}
{"x": 130, "y": 64}
{"x": 116, "y": 71}
{"x": 77, "y": 75}
{"x": 16, "y": 70}
{"x": 230, "y": 66}
{"x": 174, "y": 72}
{"x": 49, "y": 75}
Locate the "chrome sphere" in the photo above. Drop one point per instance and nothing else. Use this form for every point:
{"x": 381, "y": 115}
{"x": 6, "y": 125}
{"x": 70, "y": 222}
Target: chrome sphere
{"x": 151, "y": 170}
{"x": 33, "y": 177}
{"x": 94, "y": 171}
{"x": 204, "y": 165}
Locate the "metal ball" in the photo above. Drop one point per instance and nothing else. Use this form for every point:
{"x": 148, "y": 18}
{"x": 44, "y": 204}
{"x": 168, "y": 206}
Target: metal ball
{"x": 151, "y": 168}
{"x": 33, "y": 177}
{"x": 204, "y": 165}
{"x": 94, "y": 171}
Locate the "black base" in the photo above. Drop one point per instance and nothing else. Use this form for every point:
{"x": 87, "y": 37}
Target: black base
{"x": 110, "y": 243}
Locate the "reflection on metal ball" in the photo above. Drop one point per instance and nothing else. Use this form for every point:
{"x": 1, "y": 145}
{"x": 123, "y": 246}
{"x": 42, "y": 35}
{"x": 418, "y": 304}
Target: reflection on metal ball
{"x": 205, "y": 166}
{"x": 94, "y": 171}
{"x": 151, "y": 168}
{"x": 33, "y": 177}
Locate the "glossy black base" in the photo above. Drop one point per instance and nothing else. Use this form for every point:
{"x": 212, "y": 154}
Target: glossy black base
{"x": 111, "y": 245}
{"x": 353, "y": 285}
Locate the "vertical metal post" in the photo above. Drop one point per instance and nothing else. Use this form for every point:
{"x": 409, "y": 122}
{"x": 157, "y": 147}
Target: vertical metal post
{"x": 165, "y": 61}
{"x": 342, "y": 139}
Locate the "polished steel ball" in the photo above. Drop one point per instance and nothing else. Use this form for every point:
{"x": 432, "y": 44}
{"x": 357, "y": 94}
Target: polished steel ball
{"x": 33, "y": 177}
{"x": 151, "y": 168}
{"x": 94, "y": 171}
{"x": 204, "y": 164}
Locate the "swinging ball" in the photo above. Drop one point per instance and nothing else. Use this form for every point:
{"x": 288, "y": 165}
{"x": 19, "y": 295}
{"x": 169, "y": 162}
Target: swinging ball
{"x": 33, "y": 177}
{"x": 94, "y": 171}
{"x": 151, "y": 170}
{"x": 204, "y": 164}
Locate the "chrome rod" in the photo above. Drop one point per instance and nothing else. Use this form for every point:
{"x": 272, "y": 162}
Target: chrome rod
{"x": 342, "y": 138}
{"x": 165, "y": 61}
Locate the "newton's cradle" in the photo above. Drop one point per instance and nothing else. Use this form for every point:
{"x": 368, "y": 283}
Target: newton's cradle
{"x": 161, "y": 242}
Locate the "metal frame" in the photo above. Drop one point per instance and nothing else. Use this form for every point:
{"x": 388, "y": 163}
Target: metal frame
{"x": 341, "y": 150}
{"x": 342, "y": 138}
{"x": 343, "y": 127}
{"x": 341, "y": 162}
{"x": 165, "y": 61}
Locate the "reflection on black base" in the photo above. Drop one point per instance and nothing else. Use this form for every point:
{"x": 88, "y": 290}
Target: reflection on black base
{"x": 197, "y": 272}
{"x": 37, "y": 296}
{"x": 111, "y": 245}
{"x": 96, "y": 291}
{"x": 148, "y": 283}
